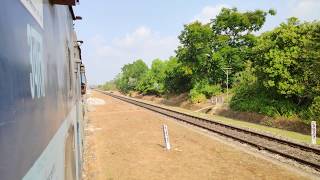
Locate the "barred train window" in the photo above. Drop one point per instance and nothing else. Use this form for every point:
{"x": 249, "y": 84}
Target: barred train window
{"x": 70, "y": 69}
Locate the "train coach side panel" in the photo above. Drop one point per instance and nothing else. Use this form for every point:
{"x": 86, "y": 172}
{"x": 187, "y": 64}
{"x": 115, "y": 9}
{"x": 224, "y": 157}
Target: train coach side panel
{"x": 37, "y": 81}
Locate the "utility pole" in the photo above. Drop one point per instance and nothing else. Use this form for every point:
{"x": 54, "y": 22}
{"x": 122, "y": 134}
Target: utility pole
{"x": 227, "y": 70}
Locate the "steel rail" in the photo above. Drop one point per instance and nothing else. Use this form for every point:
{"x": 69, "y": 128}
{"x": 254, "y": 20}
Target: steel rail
{"x": 299, "y": 152}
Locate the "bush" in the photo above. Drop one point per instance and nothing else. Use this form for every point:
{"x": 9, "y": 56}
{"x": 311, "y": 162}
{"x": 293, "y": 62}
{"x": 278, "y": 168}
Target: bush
{"x": 254, "y": 99}
{"x": 203, "y": 90}
{"x": 108, "y": 86}
{"x": 207, "y": 89}
{"x": 150, "y": 85}
{"x": 177, "y": 77}
{"x": 210, "y": 90}
{"x": 315, "y": 109}
{"x": 196, "y": 97}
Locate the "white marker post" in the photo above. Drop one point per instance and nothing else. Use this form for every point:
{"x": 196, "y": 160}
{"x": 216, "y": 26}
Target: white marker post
{"x": 313, "y": 132}
{"x": 166, "y": 137}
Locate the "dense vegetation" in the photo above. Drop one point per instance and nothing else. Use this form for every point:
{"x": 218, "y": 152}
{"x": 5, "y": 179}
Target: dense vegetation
{"x": 283, "y": 78}
{"x": 276, "y": 73}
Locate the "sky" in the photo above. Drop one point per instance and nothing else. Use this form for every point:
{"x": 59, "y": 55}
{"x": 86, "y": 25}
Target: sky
{"x": 119, "y": 32}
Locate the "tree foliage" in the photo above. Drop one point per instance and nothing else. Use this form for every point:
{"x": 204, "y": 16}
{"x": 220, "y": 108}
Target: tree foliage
{"x": 196, "y": 40}
{"x": 130, "y": 76}
{"x": 286, "y": 73}
{"x": 276, "y": 73}
{"x": 287, "y": 60}
{"x": 152, "y": 81}
{"x": 177, "y": 77}
{"x": 233, "y": 38}
{"x": 203, "y": 90}
{"x": 225, "y": 42}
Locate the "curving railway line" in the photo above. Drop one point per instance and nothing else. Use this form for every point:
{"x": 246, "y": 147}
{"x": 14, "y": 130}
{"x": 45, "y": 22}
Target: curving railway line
{"x": 302, "y": 153}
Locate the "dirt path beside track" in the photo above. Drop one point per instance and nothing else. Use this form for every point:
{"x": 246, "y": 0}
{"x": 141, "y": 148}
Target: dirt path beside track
{"x": 124, "y": 141}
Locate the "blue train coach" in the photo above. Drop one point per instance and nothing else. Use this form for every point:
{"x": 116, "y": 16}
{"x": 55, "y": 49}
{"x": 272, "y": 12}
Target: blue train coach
{"x": 42, "y": 82}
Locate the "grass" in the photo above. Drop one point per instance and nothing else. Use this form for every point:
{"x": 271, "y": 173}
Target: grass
{"x": 256, "y": 127}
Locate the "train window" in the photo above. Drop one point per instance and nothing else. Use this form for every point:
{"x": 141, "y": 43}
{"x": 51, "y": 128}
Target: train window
{"x": 83, "y": 79}
{"x": 70, "y": 69}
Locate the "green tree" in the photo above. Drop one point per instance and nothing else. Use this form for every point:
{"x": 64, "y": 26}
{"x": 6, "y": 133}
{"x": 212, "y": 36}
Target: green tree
{"x": 177, "y": 77}
{"x": 225, "y": 42}
{"x": 287, "y": 60}
{"x": 195, "y": 47}
{"x": 284, "y": 76}
{"x": 130, "y": 75}
{"x": 233, "y": 39}
{"x": 153, "y": 81}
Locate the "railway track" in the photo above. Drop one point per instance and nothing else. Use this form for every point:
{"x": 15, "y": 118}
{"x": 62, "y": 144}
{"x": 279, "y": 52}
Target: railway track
{"x": 302, "y": 153}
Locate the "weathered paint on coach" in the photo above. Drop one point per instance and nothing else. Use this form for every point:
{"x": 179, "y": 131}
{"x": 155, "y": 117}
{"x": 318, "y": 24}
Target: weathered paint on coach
{"x": 39, "y": 91}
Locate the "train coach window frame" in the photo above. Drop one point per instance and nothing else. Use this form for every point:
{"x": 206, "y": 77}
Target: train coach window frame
{"x": 70, "y": 69}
